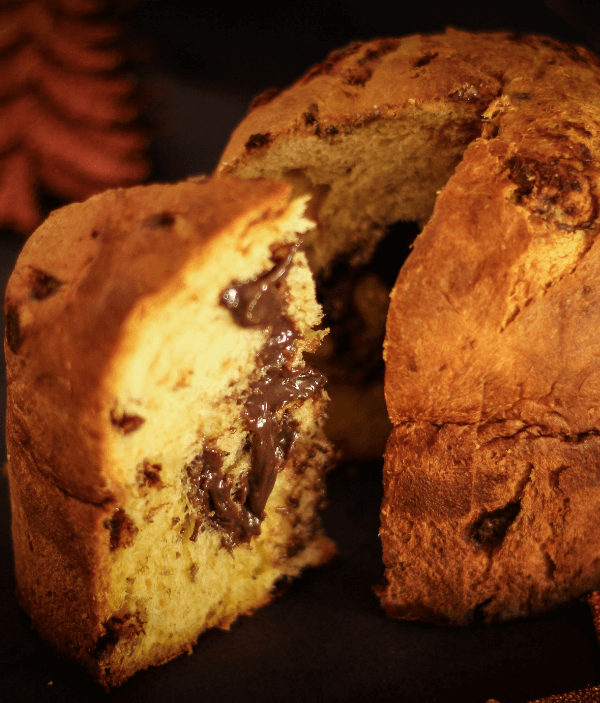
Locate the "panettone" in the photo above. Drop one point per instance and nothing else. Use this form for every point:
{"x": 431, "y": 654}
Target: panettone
{"x": 492, "y": 485}
{"x": 165, "y": 450}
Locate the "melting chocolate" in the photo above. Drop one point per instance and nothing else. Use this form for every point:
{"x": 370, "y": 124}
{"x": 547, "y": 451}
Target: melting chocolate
{"x": 213, "y": 495}
{"x": 271, "y": 392}
{"x": 257, "y": 303}
{"x": 285, "y": 437}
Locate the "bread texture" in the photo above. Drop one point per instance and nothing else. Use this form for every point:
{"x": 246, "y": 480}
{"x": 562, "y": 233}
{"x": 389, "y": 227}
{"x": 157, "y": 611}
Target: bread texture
{"x": 166, "y": 456}
{"x": 490, "y": 142}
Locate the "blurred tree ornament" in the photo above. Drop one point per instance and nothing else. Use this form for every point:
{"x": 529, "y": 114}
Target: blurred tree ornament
{"x": 69, "y": 120}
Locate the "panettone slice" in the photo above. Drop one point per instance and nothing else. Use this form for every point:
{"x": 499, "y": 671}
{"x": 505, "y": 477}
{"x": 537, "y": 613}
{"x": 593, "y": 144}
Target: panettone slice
{"x": 166, "y": 457}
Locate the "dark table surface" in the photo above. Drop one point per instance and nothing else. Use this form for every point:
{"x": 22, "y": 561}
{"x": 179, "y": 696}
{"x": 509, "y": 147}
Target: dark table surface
{"x": 326, "y": 638}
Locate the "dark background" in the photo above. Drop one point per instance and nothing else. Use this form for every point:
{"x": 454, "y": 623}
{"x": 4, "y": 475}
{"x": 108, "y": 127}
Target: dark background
{"x": 327, "y": 637}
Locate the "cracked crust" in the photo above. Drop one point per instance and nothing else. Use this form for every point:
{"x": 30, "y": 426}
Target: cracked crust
{"x": 491, "y": 331}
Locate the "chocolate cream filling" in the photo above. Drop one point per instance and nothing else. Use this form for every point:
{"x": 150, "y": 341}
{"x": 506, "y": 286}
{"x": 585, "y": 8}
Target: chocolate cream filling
{"x": 238, "y": 510}
{"x": 355, "y": 295}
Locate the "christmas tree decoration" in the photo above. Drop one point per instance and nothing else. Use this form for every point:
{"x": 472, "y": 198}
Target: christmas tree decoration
{"x": 69, "y": 121}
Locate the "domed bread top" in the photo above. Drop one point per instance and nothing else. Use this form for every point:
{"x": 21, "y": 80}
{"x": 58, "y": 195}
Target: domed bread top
{"x": 332, "y": 129}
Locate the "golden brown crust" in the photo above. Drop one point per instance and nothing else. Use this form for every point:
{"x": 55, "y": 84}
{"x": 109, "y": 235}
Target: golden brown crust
{"x": 55, "y": 568}
{"x": 71, "y": 309}
{"x": 353, "y": 90}
{"x": 440, "y": 86}
{"x": 361, "y": 83}
{"x": 503, "y": 524}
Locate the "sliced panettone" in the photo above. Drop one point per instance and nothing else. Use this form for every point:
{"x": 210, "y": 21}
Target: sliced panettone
{"x": 491, "y": 481}
{"x": 166, "y": 455}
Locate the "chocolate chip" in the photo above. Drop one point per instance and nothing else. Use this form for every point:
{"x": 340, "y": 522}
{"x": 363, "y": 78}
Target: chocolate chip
{"x": 311, "y": 115}
{"x": 149, "y": 475}
{"x": 126, "y": 423}
{"x": 424, "y": 60}
{"x": 160, "y": 219}
{"x": 359, "y": 76}
{"x": 13, "y": 329}
{"x": 117, "y": 628}
{"x": 561, "y": 191}
{"x": 122, "y": 529}
{"x": 44, "y": 285}
{"x": 256, "y": 141}
{"x": 490, "y": 529}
